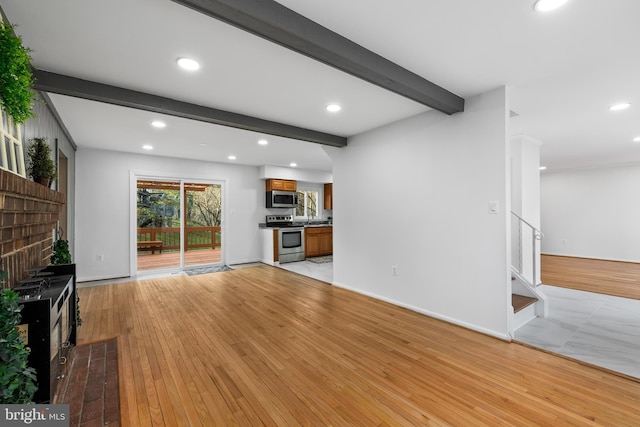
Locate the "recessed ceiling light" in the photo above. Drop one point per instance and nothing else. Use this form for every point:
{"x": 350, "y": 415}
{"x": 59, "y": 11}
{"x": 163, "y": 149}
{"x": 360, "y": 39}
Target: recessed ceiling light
{"x": 543, "y": 168}
{"x": 158, "y": 124}
{"x": 203, "y": 144}
{"x": 293, "y": 165}
{"x": 547, "y": 5}
{"x": 263, "y": 142}
{"x": 619, "y": 107}
{"x": 188, "y": 64}
{"x": 636, "y": 139}
{"x": 147, "y": 147}
{"x": 333, "y": 108}
{"x": 231, "y": 157}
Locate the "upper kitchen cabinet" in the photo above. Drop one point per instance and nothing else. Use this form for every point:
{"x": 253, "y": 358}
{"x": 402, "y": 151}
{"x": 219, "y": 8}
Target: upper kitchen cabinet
{"x": 281, "y": 184}
{"x": 328, "y": 196}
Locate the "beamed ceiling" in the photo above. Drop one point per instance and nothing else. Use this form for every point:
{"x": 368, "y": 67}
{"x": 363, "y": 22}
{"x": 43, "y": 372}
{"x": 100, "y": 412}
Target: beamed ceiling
{"x": 268, "y": 69}
{"x": 278, "y": 24}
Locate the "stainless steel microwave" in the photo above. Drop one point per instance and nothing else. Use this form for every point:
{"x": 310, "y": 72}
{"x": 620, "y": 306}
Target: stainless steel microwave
{"x": 282, "y": 199}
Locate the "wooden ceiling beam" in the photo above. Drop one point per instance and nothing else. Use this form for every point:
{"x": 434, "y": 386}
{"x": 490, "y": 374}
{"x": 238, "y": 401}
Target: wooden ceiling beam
{"x": 279, "y": 24}
{"x": 72, "y": 86}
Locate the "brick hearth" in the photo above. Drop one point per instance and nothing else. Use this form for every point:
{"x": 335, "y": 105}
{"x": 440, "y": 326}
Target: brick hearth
{"x": 91, "y": 386}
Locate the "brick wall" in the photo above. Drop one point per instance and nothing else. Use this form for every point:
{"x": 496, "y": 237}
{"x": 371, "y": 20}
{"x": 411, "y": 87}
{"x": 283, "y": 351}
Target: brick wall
{"x": 28, "y": 215}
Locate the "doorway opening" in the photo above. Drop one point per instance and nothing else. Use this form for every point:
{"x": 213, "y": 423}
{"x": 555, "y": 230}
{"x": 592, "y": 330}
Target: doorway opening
{"x": 179, "y": 224}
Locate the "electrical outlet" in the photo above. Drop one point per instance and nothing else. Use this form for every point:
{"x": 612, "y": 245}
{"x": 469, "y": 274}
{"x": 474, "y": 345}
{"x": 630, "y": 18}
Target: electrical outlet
{"x": 394, "y": 270}
{"x": 564, "y": 241}
{"x": 100, "y": 257}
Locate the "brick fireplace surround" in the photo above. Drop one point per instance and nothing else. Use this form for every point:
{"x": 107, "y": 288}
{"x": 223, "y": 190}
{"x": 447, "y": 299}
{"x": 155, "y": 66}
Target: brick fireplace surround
{"x": 29, "y": 214}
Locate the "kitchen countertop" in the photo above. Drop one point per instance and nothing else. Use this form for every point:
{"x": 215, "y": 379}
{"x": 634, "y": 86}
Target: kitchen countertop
{"x": 298, "y": 224}
{"x": 317, "y": 225}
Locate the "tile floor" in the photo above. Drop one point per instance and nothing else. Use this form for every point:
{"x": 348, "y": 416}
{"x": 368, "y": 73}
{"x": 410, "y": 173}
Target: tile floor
{"x": 323, "y": 272}
{"x": 599, "y": 329}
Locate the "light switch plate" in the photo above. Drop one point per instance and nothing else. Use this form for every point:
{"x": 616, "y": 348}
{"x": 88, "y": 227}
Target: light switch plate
{"x": 494, "y": 207}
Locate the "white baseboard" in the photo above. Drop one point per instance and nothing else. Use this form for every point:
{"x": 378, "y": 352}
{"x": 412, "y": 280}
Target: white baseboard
{"x": 496, "y": 334}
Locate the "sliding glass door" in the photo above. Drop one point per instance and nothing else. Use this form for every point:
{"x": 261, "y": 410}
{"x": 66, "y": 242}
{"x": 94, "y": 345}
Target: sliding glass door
{"x": 179, "y": 224}
{"x": 203, "y": 231}
{"x": 158, "y": 225}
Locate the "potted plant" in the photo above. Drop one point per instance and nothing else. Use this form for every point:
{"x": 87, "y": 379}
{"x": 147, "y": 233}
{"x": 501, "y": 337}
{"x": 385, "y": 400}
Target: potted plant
{"x": 40, "y": 165}
{"x": 16, "y": 77}
{"x": 61, "y": 255}
{"x": 17, "y": 379}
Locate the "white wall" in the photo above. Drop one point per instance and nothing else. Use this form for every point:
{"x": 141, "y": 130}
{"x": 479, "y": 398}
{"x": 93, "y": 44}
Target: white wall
{"x": 103, "y": 206}
{"x": 525, "y": 178}
{"x": 592, "y": 213}
{"x": 415, "y": 194}
{"x": 525, "y": 202}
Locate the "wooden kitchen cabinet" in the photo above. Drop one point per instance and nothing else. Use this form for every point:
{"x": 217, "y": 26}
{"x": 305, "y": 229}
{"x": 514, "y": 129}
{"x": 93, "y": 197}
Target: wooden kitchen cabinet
{"x": 281, "y": 184}
{"x": 276, "y": 245}
{"x": 328, "y": 196}
{"x": 318, "y": 241}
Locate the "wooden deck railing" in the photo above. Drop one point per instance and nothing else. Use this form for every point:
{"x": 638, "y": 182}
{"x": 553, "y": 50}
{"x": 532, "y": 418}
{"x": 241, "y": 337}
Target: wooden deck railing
{"x": 195, "y": 237}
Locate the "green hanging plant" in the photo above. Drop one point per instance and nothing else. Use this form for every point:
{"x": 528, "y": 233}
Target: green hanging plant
{"x": 16, "y": 78}
{"x": 17, "y": 379}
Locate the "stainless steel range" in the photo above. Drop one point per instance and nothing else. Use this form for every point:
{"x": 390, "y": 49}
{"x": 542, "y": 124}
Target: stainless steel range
{"x": 290, "y": 238}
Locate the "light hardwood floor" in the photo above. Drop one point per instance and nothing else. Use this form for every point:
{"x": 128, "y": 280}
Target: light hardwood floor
{"x": 615, "y": 278}
{"x": 264, "y": 346}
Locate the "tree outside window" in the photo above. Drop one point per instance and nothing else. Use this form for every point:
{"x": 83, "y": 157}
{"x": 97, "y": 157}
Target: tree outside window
{"x": 205, "y": 207}
{"x": 158, "y": 208}
{"x": 161, "y": 207}
{"x": 307, "y": 204}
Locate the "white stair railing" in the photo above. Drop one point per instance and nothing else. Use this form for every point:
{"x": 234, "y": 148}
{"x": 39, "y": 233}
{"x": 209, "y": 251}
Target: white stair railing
{"x": 525, "y": 249}
{"x": 525, "y": 259}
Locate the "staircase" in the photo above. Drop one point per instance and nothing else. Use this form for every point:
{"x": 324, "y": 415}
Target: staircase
{"x": 527, "y": 300}
{"x": 524, "y": 309}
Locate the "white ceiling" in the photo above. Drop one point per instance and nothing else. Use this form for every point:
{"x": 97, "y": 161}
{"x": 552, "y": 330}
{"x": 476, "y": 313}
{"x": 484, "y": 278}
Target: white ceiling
{"x": 564, "y": 69}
